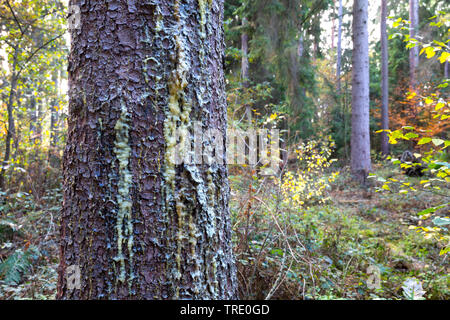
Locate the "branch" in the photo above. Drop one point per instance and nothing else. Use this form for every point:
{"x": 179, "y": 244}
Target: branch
{"x": 15, "y": 18}
{"x": 36, "y": 51}
{"x": 310, "y": 13}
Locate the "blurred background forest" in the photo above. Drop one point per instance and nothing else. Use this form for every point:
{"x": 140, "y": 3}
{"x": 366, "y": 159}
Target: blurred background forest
{"x": 312, "y": 232}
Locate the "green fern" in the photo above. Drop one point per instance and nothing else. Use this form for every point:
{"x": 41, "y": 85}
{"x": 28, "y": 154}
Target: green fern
{"x": 16, "y": 265}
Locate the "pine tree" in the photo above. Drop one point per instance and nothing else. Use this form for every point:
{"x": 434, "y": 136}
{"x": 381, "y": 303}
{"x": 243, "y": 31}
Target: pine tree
{"x": 360, "y": 140}
{"x": 135, "y": 224}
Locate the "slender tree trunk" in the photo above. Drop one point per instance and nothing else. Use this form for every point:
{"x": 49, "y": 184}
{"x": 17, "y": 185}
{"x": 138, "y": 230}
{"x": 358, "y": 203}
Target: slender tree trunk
{"x": 54, "y": 103}
{"x": 300, "y": 48}
{"x": 384, "y": 80}
{"x": 338, "y": 49}
{"x": 413, "y": 52}
{"x": 333, "y": 25}
{"x": 360, "y": 140}
{"x": 446, "y": 70}
{"x": 244, "y": 67}
{"x": 32, "y": 113}
{"x": 39, "y": 118}
{"x": 136, "y": 225}
{"x": 11, "y": 131}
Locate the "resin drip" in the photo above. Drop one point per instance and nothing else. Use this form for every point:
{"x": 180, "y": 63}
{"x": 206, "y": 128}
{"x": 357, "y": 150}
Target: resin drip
{"x": 176, "y": 122}
{"x": 122, "y": 150}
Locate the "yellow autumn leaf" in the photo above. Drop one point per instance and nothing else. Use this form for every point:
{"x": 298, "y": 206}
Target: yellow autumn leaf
{"x": 430, "y": 52}
{"x": 411, "y": 95}
{"x": 439, "y": 106}
{"x": 445, "y": 56}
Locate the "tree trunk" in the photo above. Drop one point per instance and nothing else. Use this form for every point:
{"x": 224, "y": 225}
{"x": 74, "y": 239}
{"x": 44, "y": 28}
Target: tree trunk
{"x": 413, "y": 52}
{"x": 54, "y": 103}
{"x": 446, "y": 70}
{"x": 32, "y": 113}
{"x": 244, "y": 67}
{"x": 300, "y": 47}
{"x": 11, "y": 131}
{"x": 338, "y": 49}
{"x": 134, "y": 224}
{"x": 333, "y": 25}
{"x": 360, "y": 140}
{"x": 384, "y": 80}
{"x": 53, "y": 158}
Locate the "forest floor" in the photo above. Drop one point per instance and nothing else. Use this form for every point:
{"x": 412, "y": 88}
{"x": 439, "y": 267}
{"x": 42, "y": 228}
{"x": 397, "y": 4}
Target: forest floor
{"x": 334, "y": 250}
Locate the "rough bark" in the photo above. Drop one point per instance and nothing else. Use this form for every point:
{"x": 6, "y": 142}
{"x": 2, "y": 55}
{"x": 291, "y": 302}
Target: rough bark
{"x": 384, "y": 79}
{"x": 413, "y": 52}
{"x": 137, "y": 225}
{"x": 360, "y": 140}
{"x": 339, "y": 50}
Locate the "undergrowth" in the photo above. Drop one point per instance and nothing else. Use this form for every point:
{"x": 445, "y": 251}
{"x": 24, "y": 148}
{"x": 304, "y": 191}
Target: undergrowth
{"x": 336, "y": 249}
{"x": 283, "y": 251}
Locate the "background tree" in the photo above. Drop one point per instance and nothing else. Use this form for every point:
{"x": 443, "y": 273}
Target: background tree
{"x": 414, "y": 51}
{"x": 384, "y": 79}
{"x": 339, "y": 49}
{"x": 360, "y": 140}
{"x": 31, "y": 30}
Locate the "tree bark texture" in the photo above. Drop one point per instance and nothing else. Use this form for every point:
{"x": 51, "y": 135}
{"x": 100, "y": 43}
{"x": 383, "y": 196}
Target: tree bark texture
{"x": 360, "y": 140}
{"x": 137, "y": 225}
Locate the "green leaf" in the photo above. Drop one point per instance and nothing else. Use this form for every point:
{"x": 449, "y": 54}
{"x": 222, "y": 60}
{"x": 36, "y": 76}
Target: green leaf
{"x": 433, "y": 209}
{"x": 424, "y": 140}
{"x": 411, "y": 135}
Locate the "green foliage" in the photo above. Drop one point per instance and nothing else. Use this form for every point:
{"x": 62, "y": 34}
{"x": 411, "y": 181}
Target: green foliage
{"x": 429, "y": 150}
{"x": 17, "y": 264}
{"x": 274, "y": 29}
{"x": 325, "y": 251}
{"x": 32, "y": 70}
{"x": 310, "y": 183}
